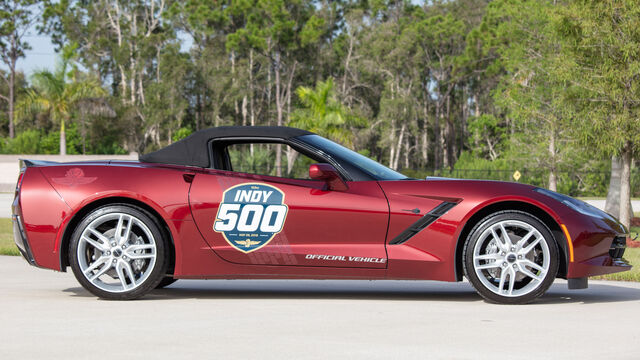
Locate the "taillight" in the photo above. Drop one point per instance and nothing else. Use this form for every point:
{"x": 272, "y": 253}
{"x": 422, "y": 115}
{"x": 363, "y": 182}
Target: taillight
{"x": 22, "y": 170}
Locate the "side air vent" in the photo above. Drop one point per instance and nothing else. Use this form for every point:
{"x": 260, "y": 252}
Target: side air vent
{"x": 423, "y": 222}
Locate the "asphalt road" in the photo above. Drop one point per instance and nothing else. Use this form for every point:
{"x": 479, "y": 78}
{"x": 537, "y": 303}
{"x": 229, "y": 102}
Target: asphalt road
{"x": 48, "y": 315}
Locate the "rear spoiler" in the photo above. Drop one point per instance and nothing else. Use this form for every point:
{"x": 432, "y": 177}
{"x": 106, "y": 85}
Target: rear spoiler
{"x": 25, "y": 163}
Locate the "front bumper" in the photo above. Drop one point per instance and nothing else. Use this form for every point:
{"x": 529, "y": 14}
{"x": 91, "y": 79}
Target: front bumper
{"x": 606, "y": 257}
{"x": 598, "y": 244}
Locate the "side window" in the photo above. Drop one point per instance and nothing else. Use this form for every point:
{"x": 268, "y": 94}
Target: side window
{"x": 260, "y": 158}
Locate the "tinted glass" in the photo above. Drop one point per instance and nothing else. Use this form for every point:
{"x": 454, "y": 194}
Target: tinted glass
{"x": 342, "y": 154}
{"x": 260, "y": 158}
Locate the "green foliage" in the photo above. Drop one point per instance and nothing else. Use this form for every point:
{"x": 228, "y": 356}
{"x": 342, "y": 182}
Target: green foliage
{"x": 469, "y": 88}
{"x": 56, "y": 97}
{"x": 181, "y": 134}
{"x": 7, "y": 245}
{"x": 323, "y": 114}
{"x": 41, "y": 142}
{"x": 604, "y": 44}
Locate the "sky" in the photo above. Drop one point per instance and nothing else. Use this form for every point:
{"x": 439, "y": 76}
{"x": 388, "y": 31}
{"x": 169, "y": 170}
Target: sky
{"x": 41, "y": 55}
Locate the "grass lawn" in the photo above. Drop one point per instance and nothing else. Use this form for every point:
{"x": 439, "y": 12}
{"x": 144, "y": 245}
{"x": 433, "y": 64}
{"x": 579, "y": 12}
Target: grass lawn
{"x": 7, "y": 246}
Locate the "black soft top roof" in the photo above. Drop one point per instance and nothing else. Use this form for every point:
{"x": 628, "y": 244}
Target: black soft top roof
{"x": 193, "y": 150}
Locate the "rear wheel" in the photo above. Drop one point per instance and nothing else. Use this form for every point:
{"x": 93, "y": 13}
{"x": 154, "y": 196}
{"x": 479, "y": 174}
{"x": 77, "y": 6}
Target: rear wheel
{"x": 118, "y": 252}
{"x": 510, "y": 257}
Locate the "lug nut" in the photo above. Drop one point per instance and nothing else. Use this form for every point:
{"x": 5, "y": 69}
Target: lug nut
{"x": 519, "y": 256}
{"x": 504, "y": 264}
{"x": 124, "y": 257}
{"x": 108, "y": 252}
{"x": 124, "y": 247}
{"x": 514, "y": 266}
{"x": 113, "y": 244}
{"x": 503, "y": 254}
{"x": 115, "y": 261}
{"x": 513, "y": 249}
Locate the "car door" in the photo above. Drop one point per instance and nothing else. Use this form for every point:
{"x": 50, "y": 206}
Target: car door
{"x": 249, "y": 216}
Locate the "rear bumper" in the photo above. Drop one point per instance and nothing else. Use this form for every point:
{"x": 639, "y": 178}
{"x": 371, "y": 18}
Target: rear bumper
{"x": 20, "y": 238}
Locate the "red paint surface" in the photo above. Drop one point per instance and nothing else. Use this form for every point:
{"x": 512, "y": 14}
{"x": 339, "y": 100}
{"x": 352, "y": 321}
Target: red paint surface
{"x": 357, "y": 222}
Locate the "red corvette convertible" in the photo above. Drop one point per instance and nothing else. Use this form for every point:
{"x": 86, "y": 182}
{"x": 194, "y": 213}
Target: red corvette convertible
{"x": 214, "y": 205}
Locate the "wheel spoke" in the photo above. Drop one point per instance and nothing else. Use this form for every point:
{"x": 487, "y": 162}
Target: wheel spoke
{"x": 104, "y": 269}
{"x": 129, "y": 272}
{"x": 489, "y": 257}
{"x": 525, "y": 238}
{"x": 488, "y": 266}
{"x": 127, "y": 232}
{"x": 530, "y": 274}
{"x": 512, "y": 280}
{"x": 100, "y": 236}
{"x": 121, "y": 275}
{"x": 95, "y": 244}
{"x": 142, "y": 247}
{"x": 101, "y": 260}
{"x": 141, "y": 256}
{"x": 136, "y": 252}
{"x": 530, "y": 246}
{"x": 119, "y": 228}
{"x": 498, "y": 240}
{"x": 503, "y": 277}
{"x": 533, "y": 265}
{"x": 507, "y": 239}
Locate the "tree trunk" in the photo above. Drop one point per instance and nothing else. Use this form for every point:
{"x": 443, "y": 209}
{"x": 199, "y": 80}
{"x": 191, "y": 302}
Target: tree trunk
{"x": 63, "y": 140}
{"x": 12, "y": 84}
{"x": 437, "y": 154}
{"x": 625, "y": 186}
{"x": 553, "y": 179}
{"x": 425, "y": 137}
{"x": 278, "y": 113}
{"x": 612, "y": 205}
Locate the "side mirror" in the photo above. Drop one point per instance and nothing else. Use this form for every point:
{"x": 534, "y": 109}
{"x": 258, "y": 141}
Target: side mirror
{"x": 329, "y": 174}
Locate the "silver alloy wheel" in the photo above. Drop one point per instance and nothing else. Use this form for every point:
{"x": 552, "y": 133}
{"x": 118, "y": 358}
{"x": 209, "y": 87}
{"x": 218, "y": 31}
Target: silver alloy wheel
{"x": 116, "y": 252}
{"x": 511, "y": 258}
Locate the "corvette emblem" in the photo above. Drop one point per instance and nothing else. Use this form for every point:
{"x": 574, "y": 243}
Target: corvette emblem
{"x": 250, "y": 215}
{"x": 73, "y": 178}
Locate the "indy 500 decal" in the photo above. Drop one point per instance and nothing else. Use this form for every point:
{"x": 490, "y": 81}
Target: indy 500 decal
{"x": 250, "y": 215}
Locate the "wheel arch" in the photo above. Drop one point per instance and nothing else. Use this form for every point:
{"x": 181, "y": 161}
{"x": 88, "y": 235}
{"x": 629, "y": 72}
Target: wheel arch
{"x": 528, "y": 208}
{"x": 87, "y": 208}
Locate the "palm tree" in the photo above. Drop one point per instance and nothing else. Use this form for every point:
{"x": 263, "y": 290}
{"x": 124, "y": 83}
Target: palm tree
{"x": 323, "y": 114}
{"x": 58, "y": 94}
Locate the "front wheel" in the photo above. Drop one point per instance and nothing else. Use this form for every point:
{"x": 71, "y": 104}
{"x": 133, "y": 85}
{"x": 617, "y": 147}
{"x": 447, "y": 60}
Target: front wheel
{"x": 117, "y": 252}
{"x": 510, "y": 257}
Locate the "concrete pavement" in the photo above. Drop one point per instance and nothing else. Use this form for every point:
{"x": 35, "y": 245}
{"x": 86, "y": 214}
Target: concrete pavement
{"x": 5, "y": 204}
{"x": 48, "y": 315}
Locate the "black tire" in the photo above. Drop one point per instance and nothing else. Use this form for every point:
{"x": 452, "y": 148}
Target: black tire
{"x": 153, "y": 276}
{"x": 166, "y": 281}
{"x": 489, "y": 287}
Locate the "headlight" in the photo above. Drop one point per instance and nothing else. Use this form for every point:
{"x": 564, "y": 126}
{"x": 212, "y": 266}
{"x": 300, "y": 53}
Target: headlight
{"x": 575, "y": 204}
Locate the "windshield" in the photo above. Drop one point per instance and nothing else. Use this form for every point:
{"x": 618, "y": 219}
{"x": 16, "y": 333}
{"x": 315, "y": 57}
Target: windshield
{"x": 342, "y": 154}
